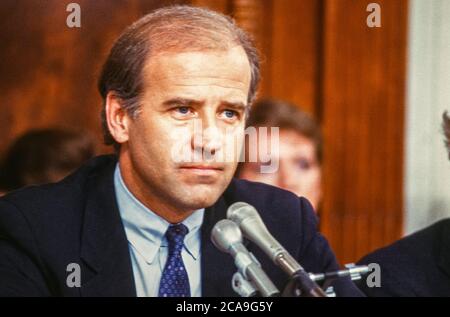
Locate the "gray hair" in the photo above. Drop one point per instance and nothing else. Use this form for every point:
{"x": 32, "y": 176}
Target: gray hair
{"x": 169, "y": 29}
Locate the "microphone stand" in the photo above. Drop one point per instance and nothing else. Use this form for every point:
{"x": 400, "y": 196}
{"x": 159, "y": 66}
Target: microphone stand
{"x": 301, "y": 285}
{"x": 304, "y": 285}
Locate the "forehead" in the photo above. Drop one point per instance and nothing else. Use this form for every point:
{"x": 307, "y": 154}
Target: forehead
{"x": 227, "y": 69}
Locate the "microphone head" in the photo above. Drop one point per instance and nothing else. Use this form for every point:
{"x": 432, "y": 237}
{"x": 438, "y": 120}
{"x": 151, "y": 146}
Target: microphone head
{"x": 253, "y": 228}
{"x": 225, "y": 234}
{"x": 240, "y": 211}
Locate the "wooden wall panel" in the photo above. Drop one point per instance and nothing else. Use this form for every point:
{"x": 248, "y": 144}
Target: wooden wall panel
{"x": 49, "y": 71}
{"x": 222, "y": 6}
{"x": 363, "y": 115}
{"x": 255, "y": 17}
{"x": 288, "y": 35}
{"x": 295, "y": 53}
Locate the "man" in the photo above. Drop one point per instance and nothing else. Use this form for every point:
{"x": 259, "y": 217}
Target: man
{"x": 417, "y": 265}
{"x": 140, "y": 224}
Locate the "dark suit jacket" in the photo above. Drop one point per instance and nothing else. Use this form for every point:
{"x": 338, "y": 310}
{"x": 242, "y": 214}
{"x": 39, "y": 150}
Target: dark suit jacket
{"x": 45, "y": 228}
{"x": 418, "y": 265}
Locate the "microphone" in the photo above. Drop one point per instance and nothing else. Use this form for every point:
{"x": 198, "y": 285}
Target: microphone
{"x": 227, "y": 237}
{"x": 254, "y": 229}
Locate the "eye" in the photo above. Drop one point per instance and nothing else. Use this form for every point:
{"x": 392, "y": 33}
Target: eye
{"x": 183, "y": 110}
{"x": 303, "y": 164}
{"x": 230, "y": 114}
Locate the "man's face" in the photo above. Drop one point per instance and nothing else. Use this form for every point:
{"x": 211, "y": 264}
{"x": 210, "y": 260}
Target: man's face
{"x": 195, "y": 100}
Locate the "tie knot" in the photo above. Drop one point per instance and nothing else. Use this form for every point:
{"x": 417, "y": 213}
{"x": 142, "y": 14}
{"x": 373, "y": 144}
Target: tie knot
{"x": 175, "y": 234}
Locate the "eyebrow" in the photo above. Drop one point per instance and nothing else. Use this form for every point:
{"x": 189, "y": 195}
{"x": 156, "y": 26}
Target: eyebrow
{"x": 181, "y": 101}
{"x": 236, "y": 105}
{"x": 191, "y": 102}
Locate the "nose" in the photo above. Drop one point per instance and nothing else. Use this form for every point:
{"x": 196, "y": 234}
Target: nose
{"x": 207, "y": 137}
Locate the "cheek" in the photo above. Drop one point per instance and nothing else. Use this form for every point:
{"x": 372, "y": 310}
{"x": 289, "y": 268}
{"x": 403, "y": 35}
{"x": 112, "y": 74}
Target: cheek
{"x": 310, "y": 178}
{"x": 161, "y": 133}
{"x": 232, "y": 147}
{"x": 177, "y": 135}
{"x": 314, "y": 175}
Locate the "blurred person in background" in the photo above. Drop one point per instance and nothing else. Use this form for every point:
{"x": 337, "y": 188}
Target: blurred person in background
{"x": 44, "y": 156}
{"x": 419, "y": 264}
{"x": 300, "y": 150}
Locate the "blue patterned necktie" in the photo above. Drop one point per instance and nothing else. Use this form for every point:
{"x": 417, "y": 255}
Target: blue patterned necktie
{"x": 174, "y": 280}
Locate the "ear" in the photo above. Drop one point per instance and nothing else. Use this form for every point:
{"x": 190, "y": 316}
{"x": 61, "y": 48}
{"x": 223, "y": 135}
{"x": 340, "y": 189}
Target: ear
{"x": 117, "y": 118}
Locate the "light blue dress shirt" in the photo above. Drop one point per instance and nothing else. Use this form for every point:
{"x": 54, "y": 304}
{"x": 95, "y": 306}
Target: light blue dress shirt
{"x": 148, "y": 247}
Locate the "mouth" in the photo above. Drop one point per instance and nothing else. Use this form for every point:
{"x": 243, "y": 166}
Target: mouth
{"x": 205, "y": 170}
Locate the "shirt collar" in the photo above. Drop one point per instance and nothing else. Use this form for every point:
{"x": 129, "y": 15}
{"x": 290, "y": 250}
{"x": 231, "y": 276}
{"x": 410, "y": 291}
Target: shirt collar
{"x": 145, "y": 230}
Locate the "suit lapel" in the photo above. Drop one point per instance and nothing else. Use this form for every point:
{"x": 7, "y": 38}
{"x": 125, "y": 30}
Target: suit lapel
{"x": 444, "y": 248}
{"x": 107, "y": 269}
{"x": 217, "y": 267}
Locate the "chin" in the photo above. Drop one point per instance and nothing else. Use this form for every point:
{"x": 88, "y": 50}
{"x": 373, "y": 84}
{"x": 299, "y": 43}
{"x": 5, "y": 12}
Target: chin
{"x": 201, "y": 197}
{"x": 204, "y": 201}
